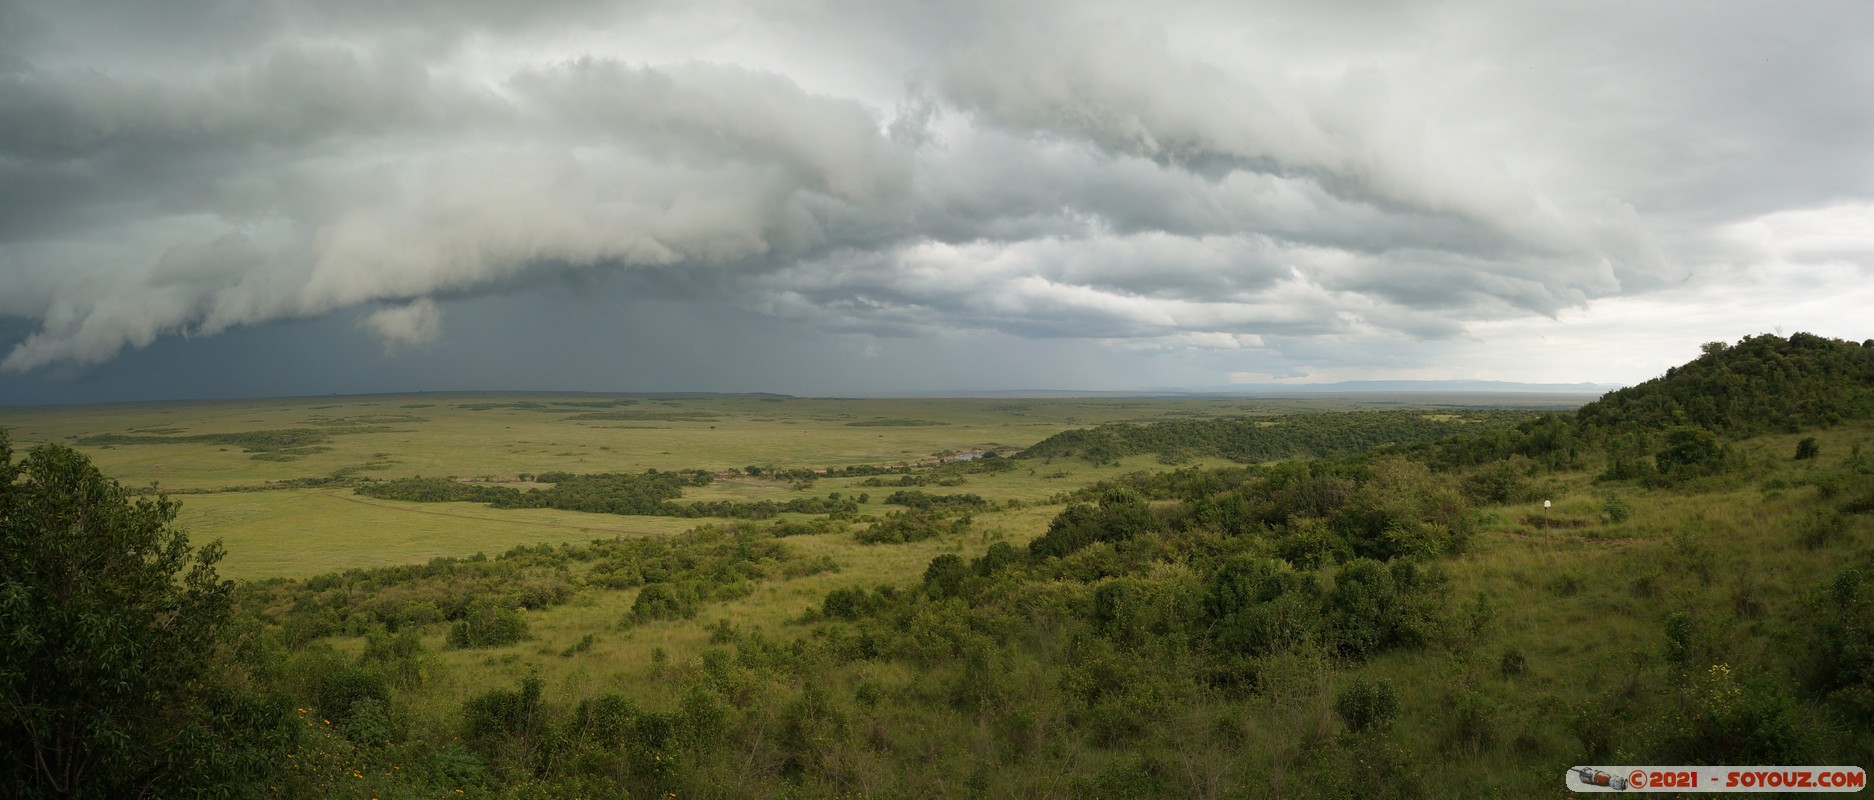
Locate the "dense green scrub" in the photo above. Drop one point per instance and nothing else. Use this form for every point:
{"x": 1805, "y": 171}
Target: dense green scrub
{"x": 652, "y": 493}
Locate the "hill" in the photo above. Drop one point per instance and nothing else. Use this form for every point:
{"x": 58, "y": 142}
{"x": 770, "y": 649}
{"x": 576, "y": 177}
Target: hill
{"x": 1268, "y": 438}
{"x": 1761, "y": 384}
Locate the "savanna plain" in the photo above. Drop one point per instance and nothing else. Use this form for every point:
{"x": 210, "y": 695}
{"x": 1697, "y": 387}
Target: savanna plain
{"x": 541, "y": 595}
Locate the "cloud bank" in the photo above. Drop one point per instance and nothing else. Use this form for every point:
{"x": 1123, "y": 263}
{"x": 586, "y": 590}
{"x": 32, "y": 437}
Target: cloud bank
{"x": 1304, "y": 179}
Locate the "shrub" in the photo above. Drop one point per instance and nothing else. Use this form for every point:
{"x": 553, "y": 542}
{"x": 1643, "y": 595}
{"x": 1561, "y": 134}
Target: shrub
{"x": 1258, "y": 606}
{"x": 1615, "y": 509}
{"x": 337, "y": 688}
{"x": 1363, "y": 609}
{"x": 1367, "y": 703}
{"x": 915, "y": 525}
{"x": 1513, "y": 663}
{"x": 1496, "y": 484}
{"x": 1307, "y": 543}
{"x": 488, "y": 625}
{"x": 1807, "y": 449}
{"x": 659, "y": 601}
{"x": 503, "y": 713}
{"x": 1821, "y": 528}
{"x": 1843, "y": 648}
{"x": 845, "y": 603}
{"x": 399, "y": 655}
{"x": 945, "y": 575}
{"x": 1733, "y": 720}
{"x": 1473, "y": 721}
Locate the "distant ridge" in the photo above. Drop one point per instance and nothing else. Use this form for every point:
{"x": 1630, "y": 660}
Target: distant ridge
{"x": 1469, "y": 386}
{"x": 1339, "y": 387}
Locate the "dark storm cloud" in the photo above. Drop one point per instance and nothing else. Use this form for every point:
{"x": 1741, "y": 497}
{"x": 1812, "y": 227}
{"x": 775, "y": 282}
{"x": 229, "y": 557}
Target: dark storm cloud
{"x": 1197, "y": 178}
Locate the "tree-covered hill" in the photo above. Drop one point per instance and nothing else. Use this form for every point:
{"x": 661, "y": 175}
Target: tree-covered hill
{"x": 1251, "y": 439}
{"x": 1761, "y": 384}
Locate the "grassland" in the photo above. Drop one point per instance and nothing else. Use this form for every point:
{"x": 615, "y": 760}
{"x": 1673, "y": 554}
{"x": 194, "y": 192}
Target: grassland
{"x": 306, "y": 531}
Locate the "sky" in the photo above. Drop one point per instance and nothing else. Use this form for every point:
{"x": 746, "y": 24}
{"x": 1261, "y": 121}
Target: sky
{"x": 223, "y": 198}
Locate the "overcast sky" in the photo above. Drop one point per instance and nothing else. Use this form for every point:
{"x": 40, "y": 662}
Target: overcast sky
{"x": 205, "y": 198}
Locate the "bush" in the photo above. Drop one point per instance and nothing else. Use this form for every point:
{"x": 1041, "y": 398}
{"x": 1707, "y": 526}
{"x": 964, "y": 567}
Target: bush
{"x": 1691, "y": 452}
{"x": 1843, "y": 648}
{"x": 845, "y": 603}
{"x": 915, "y": 525}
{"x": 1367, "y": 703}
{"x": 1615, "y": 509}
{"x": 945, "y": 575}
{"x": 1473, "y": 721}
{"x": 1807, "y": 449}
{"x": 1121, "y": 515}
{"x": 1307, "y": 543}
{"x": 1821, "y": 528}
{"x": 1496, "y": 484}
{"x": 398, "y": 655}
{"x": 1363, "y": 609}
{"x": 488, "y": 625}
{"x": 1513, "y": 663}
{"x": 662, "y": 601}
{"x": 1734, "y": 720}
{"x": 503, "y": 714}
{"x": 1258, "y": 606}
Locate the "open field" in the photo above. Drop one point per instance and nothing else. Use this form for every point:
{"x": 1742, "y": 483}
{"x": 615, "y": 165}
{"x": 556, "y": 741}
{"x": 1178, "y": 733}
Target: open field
{"x": 506, "y": 434}
{"x": 305, "y": 531}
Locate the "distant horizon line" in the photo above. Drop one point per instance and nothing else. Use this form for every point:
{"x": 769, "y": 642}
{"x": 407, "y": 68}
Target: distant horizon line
{"x": 1349, "y": 387}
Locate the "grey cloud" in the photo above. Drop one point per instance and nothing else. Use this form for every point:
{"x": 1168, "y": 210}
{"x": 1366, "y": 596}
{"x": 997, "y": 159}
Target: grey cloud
{"x": 409, "y": 325}
{"x": 223, "y": 258}
{"x": 1122, "y": 88}
{"x": 1038, "y": 173}
{"x": 708, "y": 113}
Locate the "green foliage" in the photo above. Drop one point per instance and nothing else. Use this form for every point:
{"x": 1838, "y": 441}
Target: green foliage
{"x": 1615, "y": 509}
{"x": 920, "y": 500}
{"x": 663, "y": 601}
{"x": 488, "y": 625}
{"x": 1256, "y": 606}
{"x": 113, "y": 676}
{"x": 716, "y": 559}
{"x": 1807, "y": 449}
{"x": 1842, "y": 652}
{"x": 1364, "y": 614}
{"x": 337, "y": 686}
{"x": 1172, "y": 634}
{"x": 1513, "y": 663}
{"x": 1763, "y": 383}
{"x": 1822, "y": 528}
{"x": 913, "y": 525}
{"x": 399, "y": 655}
{"x": 652, "y": 493}
{"x": 1497, "y": 483}
{"x": 508, "y": 726}
{"x": 1121, "y": 515}
{"x": 945, "y": 575}
{"x": 251, "y": 441}
{"x": 1254, "y": 439}
{"x": 1366, "y": 703}
{"x": 1734, "y": 719}
{"x": 1691, "y": 453}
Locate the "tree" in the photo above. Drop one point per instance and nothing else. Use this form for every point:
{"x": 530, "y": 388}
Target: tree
{"x": 113, "y": 681}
